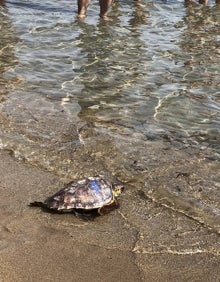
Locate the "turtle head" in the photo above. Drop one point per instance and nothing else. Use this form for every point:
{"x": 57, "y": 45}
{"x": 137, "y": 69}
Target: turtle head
{"x": 117, "y": 189}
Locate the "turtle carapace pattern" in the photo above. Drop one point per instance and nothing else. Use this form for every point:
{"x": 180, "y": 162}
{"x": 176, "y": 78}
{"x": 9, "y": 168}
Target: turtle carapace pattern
{"x": 89, "y": 194}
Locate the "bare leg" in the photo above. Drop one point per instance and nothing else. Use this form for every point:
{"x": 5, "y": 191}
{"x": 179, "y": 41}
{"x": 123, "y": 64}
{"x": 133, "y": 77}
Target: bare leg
{"x": 203, "y": 2}
{"x": 138, "y": 2}
{"x": 206, "y": 2}
{"x": 104, "y": 6}
{"x": 82, "y": 7}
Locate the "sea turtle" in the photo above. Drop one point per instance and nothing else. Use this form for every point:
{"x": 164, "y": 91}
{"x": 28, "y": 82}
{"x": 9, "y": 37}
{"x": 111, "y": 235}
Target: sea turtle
{"x": 84, "y": 196}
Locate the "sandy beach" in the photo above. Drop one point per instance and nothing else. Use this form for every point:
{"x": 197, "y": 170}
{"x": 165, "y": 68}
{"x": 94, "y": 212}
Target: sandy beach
{"x": 38, "y": 246}
{"x": 135, "y": 99}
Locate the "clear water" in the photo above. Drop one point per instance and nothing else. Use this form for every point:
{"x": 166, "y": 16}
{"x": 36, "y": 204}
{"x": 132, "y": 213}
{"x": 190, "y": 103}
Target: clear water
{"x": 80, "y": 97}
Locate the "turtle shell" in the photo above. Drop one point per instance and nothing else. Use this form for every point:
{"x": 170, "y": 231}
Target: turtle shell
{"x": 89, "y": 193}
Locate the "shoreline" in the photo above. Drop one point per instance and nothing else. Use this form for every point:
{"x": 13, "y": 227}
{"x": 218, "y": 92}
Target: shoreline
{"x": 37, "y": 245}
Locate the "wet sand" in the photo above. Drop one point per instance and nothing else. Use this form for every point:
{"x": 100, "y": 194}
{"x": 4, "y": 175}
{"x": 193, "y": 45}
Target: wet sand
{"x": 156, "y": 244}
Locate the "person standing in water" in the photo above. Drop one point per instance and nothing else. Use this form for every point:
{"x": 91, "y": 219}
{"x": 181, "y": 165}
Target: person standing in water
{"x": 104, "y": 7}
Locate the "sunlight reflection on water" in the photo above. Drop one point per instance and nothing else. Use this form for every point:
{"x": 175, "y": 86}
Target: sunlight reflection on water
{"x": 143, "y": 66}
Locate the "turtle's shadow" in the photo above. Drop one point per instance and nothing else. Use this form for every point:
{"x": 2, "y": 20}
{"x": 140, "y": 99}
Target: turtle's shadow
{"x": 87, "y": 215}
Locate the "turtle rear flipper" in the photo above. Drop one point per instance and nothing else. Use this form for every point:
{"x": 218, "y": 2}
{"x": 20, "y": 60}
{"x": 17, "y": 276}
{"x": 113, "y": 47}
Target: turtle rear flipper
{"x": 45, "y": 207}
{"x": 38, "y": 204}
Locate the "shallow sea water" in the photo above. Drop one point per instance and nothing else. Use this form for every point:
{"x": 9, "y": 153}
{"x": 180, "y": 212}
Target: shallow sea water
{"x": 136, "y": 95}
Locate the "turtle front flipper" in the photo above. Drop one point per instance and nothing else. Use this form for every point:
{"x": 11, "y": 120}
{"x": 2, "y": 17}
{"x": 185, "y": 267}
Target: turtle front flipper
{"x": 109, "y": 207}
